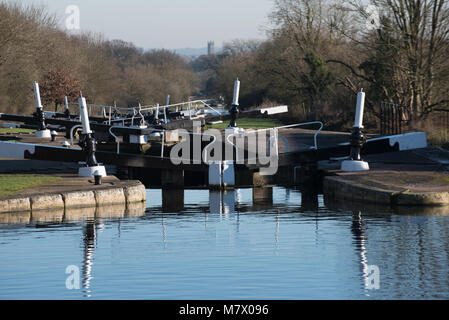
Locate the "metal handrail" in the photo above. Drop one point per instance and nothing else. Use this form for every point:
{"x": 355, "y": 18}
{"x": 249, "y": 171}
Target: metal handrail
{"x": 144, "y": 108}
{"x": 315, "y": 146}
{"x": 138, "y": 110}
{"x": 149, "y": 107}
{"x": 117, "y": 140}
{"x": 276, "y": 130}
{"x": 71, "y": 133}
{"x": 203, "y": 156}
{"x": 207, "y": 105}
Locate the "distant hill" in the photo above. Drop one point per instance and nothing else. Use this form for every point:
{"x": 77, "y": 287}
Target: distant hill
{"x": 191, "y": 52}
{"x": 194, "y": 52}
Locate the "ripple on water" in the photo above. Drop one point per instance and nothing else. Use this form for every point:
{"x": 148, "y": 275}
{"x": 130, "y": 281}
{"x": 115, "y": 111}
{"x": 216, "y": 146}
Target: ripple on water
{"x": 200, "y": 245}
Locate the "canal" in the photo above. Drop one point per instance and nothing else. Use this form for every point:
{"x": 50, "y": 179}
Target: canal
{"x": 197, "y": 244}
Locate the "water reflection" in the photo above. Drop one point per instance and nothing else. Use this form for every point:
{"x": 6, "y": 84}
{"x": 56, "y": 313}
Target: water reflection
{"x": 73, "y": 215}
{"x": 296, "y": 233}
{"x": 276, "y": 233}
{"x": 223, "y": 202}
{"x": 215, "y": 202}
{"x": 385, "y": 210}
{"x": 409, "y": 247}
{"x": 164, "y": 233}
{"x": 79, "y": 214}
{"x": 172, "y": 200}
{"x": 359, "y": 235}
{"x": 263, "y": 195}
{"x": 89, "y": 240}
{"x": 92, "y": 219}
{"x": 136, "y": 209}
{"x": 15, "y": 218}
{"x": 44, "y": 216}
{"x": 309, "y": 200}
{"x": 111, "y": 212}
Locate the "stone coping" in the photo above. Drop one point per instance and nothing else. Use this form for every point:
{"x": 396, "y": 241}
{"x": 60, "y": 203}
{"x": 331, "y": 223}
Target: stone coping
{"x": 63, "y": 196}
{"x": 339, "y": 187}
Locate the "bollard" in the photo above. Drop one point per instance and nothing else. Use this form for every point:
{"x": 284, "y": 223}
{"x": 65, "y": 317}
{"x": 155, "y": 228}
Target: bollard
{"x": 156, "y": 120}
{"x": 165, "y": 109}
{"x": 88, "y": 145}
{"x": 235, "y": 110}
{"x": 39, "y": 115}
{"x": 53, "y": 134}
{"x": 67, "y": 110}
{"x": 97, "y": 177}
{"x": 357, "y": 140}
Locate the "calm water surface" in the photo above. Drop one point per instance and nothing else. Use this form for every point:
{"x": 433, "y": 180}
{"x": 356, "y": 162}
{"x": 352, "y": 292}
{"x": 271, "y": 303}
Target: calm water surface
{"x": 196, "y": 244}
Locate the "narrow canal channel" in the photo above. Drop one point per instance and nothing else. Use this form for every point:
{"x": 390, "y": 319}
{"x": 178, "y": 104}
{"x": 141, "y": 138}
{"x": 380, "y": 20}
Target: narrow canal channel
{"x": 197, "y": 244}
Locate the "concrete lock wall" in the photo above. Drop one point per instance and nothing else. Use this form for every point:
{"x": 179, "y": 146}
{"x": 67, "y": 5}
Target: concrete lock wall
{"x": 336, "y": 188}
{"x": 126, "y": 195}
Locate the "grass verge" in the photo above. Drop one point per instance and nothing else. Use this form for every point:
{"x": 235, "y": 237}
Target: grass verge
{"x": 250, "y": 123}
{"x": 15, "y": 130}
{"x": 13, "y": 183}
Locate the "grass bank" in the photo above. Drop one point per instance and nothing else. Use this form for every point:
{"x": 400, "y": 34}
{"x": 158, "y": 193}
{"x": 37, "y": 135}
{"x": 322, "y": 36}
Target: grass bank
{"x": 250, "y": 123}
{"x": 10, "y": 184}
{"x": 15, "y": 130}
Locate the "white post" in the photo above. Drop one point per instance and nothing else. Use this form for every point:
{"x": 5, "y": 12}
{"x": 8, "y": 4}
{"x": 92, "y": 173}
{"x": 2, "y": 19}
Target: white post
{"x": 92, "y": 168}
{"x": 358, "y": 123}
{"x": 235, "y": 101}
{"x": 234, "y": 111}
{"x": 157, "y": 112}
{"x": 84, "y": 115}
{"x": 165, "y": 109}
{"x": 357, "y": 140}
{"x": 66, "y": 103}
{"x": 42, "y": 132}
{"x": 37, "y": 96}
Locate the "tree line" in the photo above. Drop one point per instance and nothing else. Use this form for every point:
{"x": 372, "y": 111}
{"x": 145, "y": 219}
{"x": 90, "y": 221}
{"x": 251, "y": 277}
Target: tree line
{"x": 317, "y": 56}
{"x": 33, "y": 48}
{"x": 320, "y": 53}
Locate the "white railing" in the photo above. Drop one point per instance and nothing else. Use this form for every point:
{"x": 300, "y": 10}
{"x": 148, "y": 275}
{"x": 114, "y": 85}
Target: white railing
{"x": 117, "y": 139}
{"x": 273, "y": 141}
{"x": 206, "y": 148}
{"x": 71, "y": 133}
{"x": 190, "y": 105}
{"x": 275, "y": 138}
{"x": 162, "y": 131}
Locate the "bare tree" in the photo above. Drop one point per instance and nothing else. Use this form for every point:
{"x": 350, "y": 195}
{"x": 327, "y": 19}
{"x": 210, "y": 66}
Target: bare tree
{"x": 406, "y": 57}
{"x": 33, "y": 48}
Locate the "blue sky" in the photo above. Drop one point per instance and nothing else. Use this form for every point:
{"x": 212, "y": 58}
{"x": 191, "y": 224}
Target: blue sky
{"x": 169, "y": 23}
